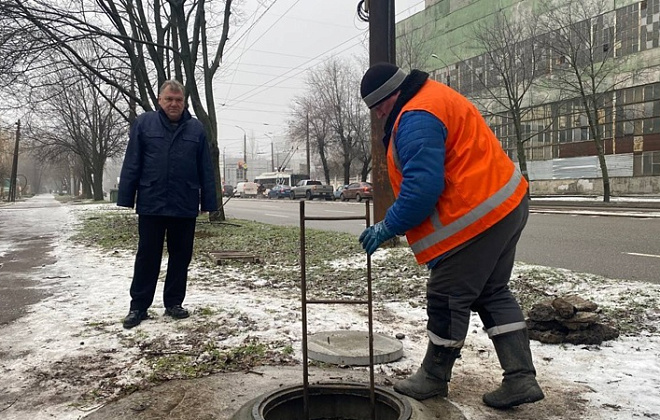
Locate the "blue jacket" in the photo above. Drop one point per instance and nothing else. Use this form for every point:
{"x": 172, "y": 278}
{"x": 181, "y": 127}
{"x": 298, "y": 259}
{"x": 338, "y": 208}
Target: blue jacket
{"x": 168, "y": 167}
{"x": 420, "y": 142}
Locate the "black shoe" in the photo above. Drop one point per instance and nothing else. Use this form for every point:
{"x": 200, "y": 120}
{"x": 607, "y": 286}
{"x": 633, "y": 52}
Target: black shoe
{"x": 177, "y": 311}
{"x": 134, "y": 317}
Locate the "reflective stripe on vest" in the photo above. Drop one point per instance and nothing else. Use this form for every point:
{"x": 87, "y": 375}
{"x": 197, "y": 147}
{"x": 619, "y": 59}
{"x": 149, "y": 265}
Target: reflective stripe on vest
{"x": 443, "y": 232}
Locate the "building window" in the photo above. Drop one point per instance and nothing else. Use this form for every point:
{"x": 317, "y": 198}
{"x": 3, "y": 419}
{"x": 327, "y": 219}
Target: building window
{"x": 647, "y": 164}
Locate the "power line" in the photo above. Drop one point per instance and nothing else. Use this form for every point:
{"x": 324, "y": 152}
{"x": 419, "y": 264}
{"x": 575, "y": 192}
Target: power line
{"x": 260, "y": 36}
{"x": 244, "y": 34}
{"x": 266, "y": 85}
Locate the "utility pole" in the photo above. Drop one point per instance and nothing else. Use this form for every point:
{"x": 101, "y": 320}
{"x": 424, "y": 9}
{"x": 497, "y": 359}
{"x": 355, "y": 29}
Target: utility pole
{"x": 309, "y": 164}
{"x": 14, "y": 166}
{"x": 224, "y": 165}
{"x": 244, "y": 168}
{"x": 244, "y": 148}
{"x": 272, "y": 155}
{"x": 381, "y": 49}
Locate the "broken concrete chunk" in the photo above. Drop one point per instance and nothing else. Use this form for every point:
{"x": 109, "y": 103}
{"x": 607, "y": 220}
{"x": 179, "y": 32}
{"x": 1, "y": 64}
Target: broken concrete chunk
{"x": 580, "y": 320}
{"x": 548, "y": 337}
{"x": 564, "y": 308}
{"x": 595, "y": 334}
{"x": 542, "y": 312}
{"x": 581, "y": 304}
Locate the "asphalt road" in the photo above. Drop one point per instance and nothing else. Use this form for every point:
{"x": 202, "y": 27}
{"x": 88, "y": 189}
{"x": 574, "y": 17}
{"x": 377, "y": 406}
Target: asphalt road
{"x": 608, "y": 243}
{"x": 27, "y": 232}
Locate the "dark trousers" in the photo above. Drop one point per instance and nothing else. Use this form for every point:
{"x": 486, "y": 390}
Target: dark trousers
{"x": 475, "y": 278}
{"x": 180, "y": 233}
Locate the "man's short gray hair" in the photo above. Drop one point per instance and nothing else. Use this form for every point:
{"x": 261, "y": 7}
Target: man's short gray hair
{"x": 174, "y": 85}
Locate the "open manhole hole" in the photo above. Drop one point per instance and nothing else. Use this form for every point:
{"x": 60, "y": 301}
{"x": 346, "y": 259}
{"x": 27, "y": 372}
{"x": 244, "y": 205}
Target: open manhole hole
{"x": 346, "y": 401}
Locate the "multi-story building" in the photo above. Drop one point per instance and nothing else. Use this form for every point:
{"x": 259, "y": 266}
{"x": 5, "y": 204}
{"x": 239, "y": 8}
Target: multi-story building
{"x": 561, "y": 146}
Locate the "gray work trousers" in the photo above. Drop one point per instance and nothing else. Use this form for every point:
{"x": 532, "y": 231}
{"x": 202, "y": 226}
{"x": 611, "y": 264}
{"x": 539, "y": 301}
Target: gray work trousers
{"x": 475, "y": 278}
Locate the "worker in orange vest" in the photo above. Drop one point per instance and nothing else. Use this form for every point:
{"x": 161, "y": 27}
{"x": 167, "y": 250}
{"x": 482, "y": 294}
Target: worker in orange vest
{"x": 462, "y": 204}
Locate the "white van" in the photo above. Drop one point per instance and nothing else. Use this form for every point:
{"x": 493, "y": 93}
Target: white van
{"x": 246, "y": 189}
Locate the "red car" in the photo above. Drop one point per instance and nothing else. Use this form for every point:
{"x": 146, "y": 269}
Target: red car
{"x": 357, "y": 191}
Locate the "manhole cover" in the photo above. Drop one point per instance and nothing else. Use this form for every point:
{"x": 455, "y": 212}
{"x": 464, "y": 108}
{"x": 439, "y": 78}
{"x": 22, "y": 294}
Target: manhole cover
{"x": 351, "y": 348}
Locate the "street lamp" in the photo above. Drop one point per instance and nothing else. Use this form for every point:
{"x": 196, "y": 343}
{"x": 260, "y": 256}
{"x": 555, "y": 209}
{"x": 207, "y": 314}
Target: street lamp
{"x": 448, "y": 75}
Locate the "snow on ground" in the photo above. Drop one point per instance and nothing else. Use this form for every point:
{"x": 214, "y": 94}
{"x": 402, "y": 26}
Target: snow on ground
{"x": 617, "y": 380}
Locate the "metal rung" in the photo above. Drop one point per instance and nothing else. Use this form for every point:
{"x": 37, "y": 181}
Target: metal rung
{"x": 333, "y": 217}
{"x": 347, "y": 302}
{"x": 305, "y": 302}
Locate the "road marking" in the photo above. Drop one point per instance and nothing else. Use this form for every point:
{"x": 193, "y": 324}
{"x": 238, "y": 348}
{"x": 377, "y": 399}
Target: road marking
{"x": 642, "y": 255}
{"x": 276, "y": 215}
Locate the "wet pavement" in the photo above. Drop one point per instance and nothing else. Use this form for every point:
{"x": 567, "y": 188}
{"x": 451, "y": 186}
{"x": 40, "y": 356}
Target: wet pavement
{"x": 26, "y": 243}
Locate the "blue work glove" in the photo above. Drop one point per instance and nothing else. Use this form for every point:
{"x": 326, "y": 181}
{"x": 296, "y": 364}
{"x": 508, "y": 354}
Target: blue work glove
{"x": 373, "y": 236}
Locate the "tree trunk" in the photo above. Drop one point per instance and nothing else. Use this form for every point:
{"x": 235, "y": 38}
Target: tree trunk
{"x": 605, "y": 174}
{"x": 98, "y": 184}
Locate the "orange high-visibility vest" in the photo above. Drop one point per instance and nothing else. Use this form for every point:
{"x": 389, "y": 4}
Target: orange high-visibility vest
{"x": 482, "y": 185}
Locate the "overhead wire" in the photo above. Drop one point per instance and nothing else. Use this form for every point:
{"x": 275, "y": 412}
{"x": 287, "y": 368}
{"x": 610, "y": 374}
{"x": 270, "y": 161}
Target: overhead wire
{"x": 295, "y": 71}
{"x": 266, "y": 85}
{"x": 244, "y": 34}
{"x": 240, "y": 56}
{"x": 244, "y": 96}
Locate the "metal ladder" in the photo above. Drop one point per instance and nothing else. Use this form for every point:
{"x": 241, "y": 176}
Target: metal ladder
{"x": 305, "y": 302}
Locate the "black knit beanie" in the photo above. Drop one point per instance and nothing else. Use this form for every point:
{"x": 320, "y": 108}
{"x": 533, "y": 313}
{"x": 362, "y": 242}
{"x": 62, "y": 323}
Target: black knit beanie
{"x": 380, "y": 82}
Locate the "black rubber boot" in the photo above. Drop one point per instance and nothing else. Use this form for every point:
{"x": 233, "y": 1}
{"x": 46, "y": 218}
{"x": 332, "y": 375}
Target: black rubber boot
{"x": 519, "y": 385}
{"x": 432, "y": 378}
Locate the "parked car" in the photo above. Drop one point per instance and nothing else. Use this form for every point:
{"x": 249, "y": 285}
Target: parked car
{"x": 357, "y": 191}
{"x": 337, "y": 193}
{"x": 279, "y": 191}
{"x": 311, "y": 189}
{"x": 227, "y": 190}
{"x": 246, "y": 189}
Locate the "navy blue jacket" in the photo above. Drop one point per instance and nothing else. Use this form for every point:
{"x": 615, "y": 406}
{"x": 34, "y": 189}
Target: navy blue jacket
{"x": 168, "y": 167}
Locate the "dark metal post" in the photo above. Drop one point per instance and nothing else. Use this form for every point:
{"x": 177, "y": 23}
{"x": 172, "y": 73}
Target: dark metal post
{"x": 245, "y": 156}
{"x": 224, "y": 166}
{"x": 272, "y": 155}
{"x": 303, "y": 303}
{"x": 381, "y": 48}
{"x": 14, "y": 166}
{"x": 309, "y": 163}
{"x": 372, "y": 380}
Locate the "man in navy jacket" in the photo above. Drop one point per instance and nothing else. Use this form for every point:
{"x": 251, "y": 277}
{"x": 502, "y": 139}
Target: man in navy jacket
{"x": 168, "y": 167}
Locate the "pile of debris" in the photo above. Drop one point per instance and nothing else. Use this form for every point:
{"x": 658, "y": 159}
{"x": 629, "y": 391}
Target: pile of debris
{"x": 568, "y": 319}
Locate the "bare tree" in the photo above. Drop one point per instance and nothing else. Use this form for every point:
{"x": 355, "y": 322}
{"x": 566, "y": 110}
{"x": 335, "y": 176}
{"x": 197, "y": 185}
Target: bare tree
{"x": 412, "y": 47}
{"x": 582, "y": 35}
{"x": 84, "y": 124}
{"x": 309, "y": 119}
{"x": 361, "y": 132}
{"x": 334, "y": 88}
{"x": 513, "y": 60}
{"x": 16, "y": 46}
{"x": 138, "y": 46}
